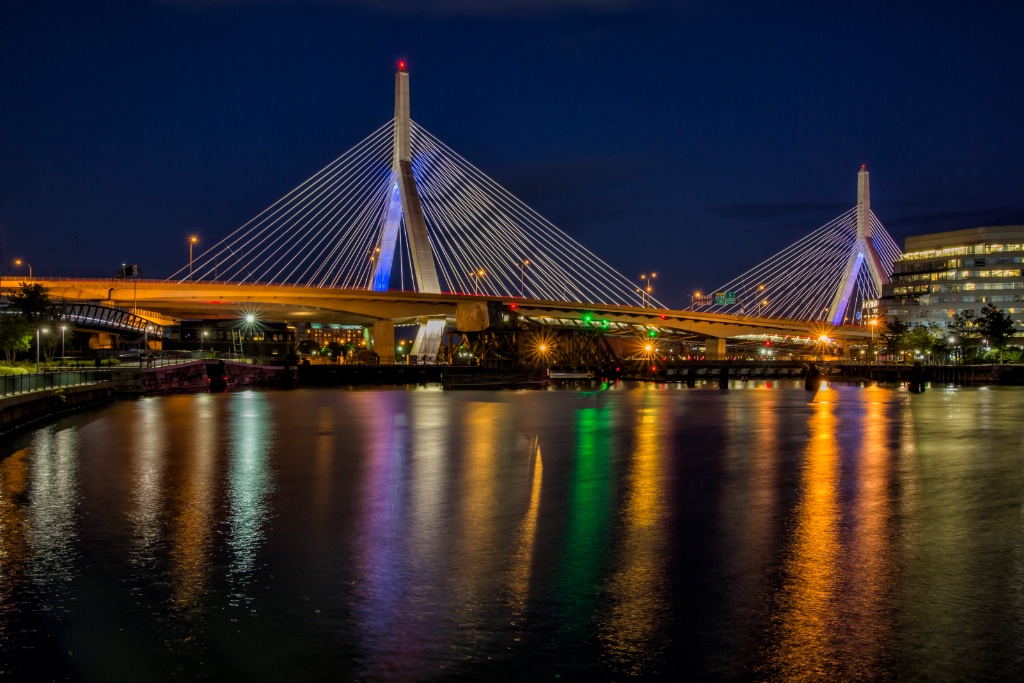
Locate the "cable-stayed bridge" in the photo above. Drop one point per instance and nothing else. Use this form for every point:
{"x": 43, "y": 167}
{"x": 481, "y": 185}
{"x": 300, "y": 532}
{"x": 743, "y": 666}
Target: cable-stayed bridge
{"x": 834, "y": 274}
{"x": 401, "y": 229}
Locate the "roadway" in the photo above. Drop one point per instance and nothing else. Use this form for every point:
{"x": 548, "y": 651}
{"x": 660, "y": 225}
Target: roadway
{"x": 223, "y": 300}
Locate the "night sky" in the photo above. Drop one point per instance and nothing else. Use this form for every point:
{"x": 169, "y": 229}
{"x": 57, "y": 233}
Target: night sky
{"x": 691, "y": 138}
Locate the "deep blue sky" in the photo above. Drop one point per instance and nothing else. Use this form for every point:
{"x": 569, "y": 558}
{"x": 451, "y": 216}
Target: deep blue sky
{"x": 692, "y": 138}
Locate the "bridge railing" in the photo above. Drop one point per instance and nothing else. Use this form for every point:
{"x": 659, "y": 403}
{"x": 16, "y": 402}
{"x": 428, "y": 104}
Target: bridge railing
{"x": 13, "y": 385}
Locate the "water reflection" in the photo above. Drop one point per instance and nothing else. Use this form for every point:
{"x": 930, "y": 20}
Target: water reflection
{"x": 53, "y": 491}
{"x": 662, "y": 533}
{"x": 13, "y": 541}
{"x": 807, "y": 607}
{"x": 522, "y": 558}
{"x": 192, "y": 532}
{"x": 249, "y": 484}
{"x": 868, "y": 563}
{"x": 586, "y": 539}
{"x": 479, "y": 551}
{"x": 147, "y": 444}
{"x": 634, "y": 630}
{"x": 383, "y": 574}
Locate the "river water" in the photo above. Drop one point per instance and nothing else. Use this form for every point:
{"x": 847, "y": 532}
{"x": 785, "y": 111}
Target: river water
{"x": 759, "y": 533}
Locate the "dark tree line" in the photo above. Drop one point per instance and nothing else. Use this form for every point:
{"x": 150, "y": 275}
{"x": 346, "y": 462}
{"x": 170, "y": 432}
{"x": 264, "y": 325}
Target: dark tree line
{"x": 29, "y": 310}
{"x": 968, "y": 338}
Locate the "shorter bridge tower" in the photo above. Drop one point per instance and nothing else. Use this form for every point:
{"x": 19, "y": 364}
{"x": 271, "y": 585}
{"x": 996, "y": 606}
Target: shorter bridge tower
{"x": 862, "y": 255}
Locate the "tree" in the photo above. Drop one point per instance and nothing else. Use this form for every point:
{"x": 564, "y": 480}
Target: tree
{"x": 15, "y": 335}
{"x": 31, "y": 302}
{"x": 894, "y": 338}
{"x": 996, "y": 325}
{"x": 307, "y": 346}
{"x": 927, "y": 339}
{"x": 964, "y": 334}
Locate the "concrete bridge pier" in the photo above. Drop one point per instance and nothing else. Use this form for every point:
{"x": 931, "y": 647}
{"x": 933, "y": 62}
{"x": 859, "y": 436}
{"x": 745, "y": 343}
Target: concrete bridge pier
{"x": 714, "y": 348}
{"x": 384, "y": 341}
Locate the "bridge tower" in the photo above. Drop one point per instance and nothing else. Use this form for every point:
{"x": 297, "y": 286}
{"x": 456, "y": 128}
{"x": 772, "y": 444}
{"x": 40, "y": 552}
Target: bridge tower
{"x": 404, "y": 205}
{"x": 863, "y": 254}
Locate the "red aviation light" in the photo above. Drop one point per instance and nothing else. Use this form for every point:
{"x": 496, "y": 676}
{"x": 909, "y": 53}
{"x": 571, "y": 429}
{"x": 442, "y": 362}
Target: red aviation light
{"x": 513, "y": 306}
{"x": 401, "y": 65}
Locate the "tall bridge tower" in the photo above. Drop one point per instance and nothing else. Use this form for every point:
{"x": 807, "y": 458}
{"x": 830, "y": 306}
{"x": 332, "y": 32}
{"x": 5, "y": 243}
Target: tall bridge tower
{"x": 404, "y": 205}
{"x": 863, "y": 254}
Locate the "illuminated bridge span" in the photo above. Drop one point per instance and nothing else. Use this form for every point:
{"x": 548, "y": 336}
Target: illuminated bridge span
{"x": 401, "y": 229}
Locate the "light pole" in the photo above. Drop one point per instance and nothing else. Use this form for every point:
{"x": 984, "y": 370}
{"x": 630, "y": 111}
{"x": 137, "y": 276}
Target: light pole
{"x": 192, "y": 240}
{"x": 63, "y": 329}
{"x": 19, "y": 262}
{"x": 760, "y": 304}
{"x": 693, "y": 297}
{"x": 476, "y": 281}
{"x": 648, "y": 287}
{"x": 873, "y": 323}
{"x": 202, "y": 338}
{"x": 522, "y": 277}
{"x": 44, "y": 331}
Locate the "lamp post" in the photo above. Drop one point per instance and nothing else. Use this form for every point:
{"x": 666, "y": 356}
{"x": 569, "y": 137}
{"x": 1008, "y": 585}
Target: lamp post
{"x": 522, "y": 276}
{"x": 192, "y": 240}
{"x": 19, "y": 262}
{"x": 145, "y": 339}
{"x": 476, "y": 280}
{"x": 202, "y": 337}
{"x": 873, "y": 323}
{"x": 693, "y": 297}
{"x": 647, "y": 287}
{"x": 63, "y": 329}
{"x": 44, "y": 331}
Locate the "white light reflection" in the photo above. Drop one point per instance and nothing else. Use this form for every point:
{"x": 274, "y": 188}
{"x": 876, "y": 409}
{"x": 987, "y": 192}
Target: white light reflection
{"x": 249, "y": 484}
{"x": 147, "y": 476}
{"x": 53, "y": 492}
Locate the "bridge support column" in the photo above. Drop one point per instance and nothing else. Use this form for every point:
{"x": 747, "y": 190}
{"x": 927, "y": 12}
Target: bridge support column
{"x": 714, "y": 348}
{"x": 384, "y": 341}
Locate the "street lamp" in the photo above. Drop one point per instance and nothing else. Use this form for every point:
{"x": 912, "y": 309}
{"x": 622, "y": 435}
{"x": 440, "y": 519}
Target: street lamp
{"x": 63, "y": 329}
{"x": 522, "y": 276}
{"x": 695, "y": 295}
{"x": 476, "y": 281}
{"x": 874, "y": 324}
{"x": 19, "y": 262}
{"x": 44, "y": 331}
{"x": 648, "y": 287}
{"x": 192, "y": 241}
{"x": 202, "y": 336}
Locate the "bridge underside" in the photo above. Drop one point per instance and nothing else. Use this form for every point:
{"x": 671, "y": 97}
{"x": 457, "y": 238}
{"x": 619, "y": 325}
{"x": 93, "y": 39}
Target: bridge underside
{"x": 204, "y": 300}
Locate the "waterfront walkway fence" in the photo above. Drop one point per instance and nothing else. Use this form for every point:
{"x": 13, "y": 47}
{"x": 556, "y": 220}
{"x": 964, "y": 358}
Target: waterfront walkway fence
{"x": 12, "y": 385}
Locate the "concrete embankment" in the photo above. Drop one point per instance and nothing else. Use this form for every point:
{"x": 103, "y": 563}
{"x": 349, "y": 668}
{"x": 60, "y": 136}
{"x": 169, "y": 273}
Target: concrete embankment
{"x": 25, "y": 409}
{"x": 198, "y": 375}
{"x": 202, "y": 375}
{"x": 940, "y": 374}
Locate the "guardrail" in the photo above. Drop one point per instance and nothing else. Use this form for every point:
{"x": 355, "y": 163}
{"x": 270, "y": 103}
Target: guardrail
{"x": 13, "y": 385}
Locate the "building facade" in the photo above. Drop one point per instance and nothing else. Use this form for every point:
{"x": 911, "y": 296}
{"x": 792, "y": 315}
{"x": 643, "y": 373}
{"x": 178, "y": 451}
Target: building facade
{"x": 946, "y": 272}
